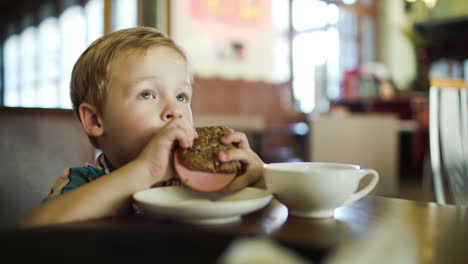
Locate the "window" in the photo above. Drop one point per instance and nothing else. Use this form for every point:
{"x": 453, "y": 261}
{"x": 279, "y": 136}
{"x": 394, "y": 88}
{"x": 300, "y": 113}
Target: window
{"x": 28, "y": 66}
{"x": 38, "y": 61}
{"x": 94, "y": 20}
{"x": 49, "y": 43}
{"x": 280, "y": 41}
{"x": 11, "y": 69}
{"x": 448, "y": 68}
{"x": 73, "y": 44}
{"x": 328, "y": 39}
{"x": 125, "y": 14}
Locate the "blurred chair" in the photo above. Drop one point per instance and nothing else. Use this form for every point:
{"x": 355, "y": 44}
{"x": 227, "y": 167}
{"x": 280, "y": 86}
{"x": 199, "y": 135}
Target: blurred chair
{"x": 368, "y": 140}
{"x": 448, "y": 140}
{"x": 36, "y": 146}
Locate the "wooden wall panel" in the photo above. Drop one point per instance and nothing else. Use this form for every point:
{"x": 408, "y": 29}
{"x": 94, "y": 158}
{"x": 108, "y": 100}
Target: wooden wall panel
{"x": 214, "y": 96}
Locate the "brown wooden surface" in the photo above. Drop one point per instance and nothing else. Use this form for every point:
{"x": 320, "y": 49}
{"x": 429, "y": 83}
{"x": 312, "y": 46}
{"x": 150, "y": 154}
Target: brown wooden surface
{"x": 441, "y": 230}
{"x": 448, "y": 83}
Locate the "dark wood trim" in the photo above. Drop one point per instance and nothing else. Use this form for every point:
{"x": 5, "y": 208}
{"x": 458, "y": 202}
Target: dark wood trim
{"x": 140, "y": 14}
{"x": 146, "y": 13}
{"x": 108, "y": 12}
{"x": 169, "y": 17}
{"x": 442, "y": 83}
{"x": 26, "y": 110}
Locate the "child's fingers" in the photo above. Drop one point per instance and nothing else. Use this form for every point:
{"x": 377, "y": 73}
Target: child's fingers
{"x": 176, "y": 134}
{"x": 242, "y": 181}
{"x": 234, "y": 154}
{"x": 180, "y": 132}
{"x": 236, "y": 138}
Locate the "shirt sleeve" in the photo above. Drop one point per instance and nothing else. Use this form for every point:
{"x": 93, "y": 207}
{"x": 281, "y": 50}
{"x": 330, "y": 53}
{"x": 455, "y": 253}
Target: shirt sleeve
{"x": 71, "y": 179}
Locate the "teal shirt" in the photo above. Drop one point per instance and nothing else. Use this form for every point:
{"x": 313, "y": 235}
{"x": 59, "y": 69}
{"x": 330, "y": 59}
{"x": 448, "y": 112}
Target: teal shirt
{"x": 76, "y": 177}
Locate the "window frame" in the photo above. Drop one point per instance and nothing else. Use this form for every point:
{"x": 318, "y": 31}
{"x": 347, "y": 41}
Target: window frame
{"x": 361, "y": 10}
{"x": 14, "y": 24}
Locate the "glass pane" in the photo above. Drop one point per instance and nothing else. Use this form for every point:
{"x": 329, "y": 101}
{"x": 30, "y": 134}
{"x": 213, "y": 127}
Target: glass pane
{"x": 280, "y": 16}
{"x": 368, "y": 47}
{"x": 304, "y": 72}
{"x": 333, "y": 65}
{"x": 94, "y": 12}
{"x": 311, "y": 50}
{"x": 308, "y": 14}
{"x": 49, "y": 43}
{"x": 304, "y": 91}
{"x": 312, "y": 47}
{"x": 281, "y": 62}
{"x": 348, "y": 40}
{"x": 73, "y": 44}
{"x": 439, "y": 69}
{"x": 446, "y": 68}
{"x": 28, "y": 68}
{"x": 281, "y": 47}
{"x": 333, "y": 13}
{"x": 125, "y": 15}
{"x": 11, "y": 69}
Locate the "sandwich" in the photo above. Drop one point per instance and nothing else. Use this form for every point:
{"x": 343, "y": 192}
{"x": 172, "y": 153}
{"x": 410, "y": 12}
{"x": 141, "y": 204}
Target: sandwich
{"x": 198, "y": 167}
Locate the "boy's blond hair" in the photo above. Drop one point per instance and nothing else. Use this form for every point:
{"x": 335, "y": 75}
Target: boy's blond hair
{"x": 90, "y": 75}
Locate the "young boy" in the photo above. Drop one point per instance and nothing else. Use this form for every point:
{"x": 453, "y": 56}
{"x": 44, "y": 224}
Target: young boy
{"x": 131, "y": 90}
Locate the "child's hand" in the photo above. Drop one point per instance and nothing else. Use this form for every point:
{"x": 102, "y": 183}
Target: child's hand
{"x": 253, "y": 173}
{"x": 158, "y": 152}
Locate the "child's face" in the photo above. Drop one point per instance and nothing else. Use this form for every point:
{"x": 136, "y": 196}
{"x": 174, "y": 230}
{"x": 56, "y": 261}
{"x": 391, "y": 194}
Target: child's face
{"x": 145, "y": 91}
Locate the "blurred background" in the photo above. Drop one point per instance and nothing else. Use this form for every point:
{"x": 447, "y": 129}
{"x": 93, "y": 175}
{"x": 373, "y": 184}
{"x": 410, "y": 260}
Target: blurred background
{"x": 307, "y": 80}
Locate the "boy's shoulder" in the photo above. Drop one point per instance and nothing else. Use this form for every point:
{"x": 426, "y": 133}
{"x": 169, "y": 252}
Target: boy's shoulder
{"x": 75, "y": 177}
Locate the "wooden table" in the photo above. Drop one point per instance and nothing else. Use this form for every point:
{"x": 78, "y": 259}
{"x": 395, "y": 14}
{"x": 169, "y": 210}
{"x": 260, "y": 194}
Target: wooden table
{"x": 441, "y": 232}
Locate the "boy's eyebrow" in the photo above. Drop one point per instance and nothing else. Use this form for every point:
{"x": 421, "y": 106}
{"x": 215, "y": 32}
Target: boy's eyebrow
{"x": 144, "y": 78}
{"x": 153, "y": 77}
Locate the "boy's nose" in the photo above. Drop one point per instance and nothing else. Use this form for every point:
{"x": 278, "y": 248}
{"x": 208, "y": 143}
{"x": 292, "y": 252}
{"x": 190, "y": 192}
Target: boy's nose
{"x": 170, "y": 114}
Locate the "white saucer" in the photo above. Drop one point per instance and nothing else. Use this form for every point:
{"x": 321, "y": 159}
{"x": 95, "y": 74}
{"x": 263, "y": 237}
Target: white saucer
{"x": 186, "y": 205}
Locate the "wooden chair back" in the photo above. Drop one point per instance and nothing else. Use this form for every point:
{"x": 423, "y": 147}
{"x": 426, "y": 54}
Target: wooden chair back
{"x": 448, "y": 140}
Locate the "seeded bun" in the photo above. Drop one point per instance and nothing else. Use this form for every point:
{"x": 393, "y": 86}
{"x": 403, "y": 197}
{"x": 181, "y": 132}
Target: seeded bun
{"x": 203, "y": 155}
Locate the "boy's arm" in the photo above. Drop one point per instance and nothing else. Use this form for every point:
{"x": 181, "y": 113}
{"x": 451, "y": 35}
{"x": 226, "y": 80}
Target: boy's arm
{"x": 109, "y": 195}
{"x": 106, "y": 196}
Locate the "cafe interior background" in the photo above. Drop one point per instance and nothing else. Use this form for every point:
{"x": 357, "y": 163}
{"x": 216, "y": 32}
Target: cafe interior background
{"x": 306, "y": 80}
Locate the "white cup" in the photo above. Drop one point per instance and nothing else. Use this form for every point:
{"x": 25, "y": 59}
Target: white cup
{"x": 315, "y": 189}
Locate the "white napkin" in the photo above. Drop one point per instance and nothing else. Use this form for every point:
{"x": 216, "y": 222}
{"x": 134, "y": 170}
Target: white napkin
{"x": 259, "y": 251}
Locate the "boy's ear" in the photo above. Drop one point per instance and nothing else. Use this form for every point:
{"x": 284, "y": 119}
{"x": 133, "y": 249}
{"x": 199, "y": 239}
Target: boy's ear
{"x": 90, "y": 120}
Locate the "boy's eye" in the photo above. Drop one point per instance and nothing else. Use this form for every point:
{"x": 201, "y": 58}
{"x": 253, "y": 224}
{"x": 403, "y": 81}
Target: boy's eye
{"x": 181, "y": 98}
{"x": 146, "y": 95}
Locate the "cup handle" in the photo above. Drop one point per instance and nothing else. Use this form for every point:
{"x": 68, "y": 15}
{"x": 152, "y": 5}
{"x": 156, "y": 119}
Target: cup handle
{"x": 356, "y": 196}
